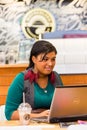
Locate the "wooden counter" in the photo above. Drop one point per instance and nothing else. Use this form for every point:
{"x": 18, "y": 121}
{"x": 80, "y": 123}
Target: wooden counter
{"x": 8, "y": 72}
{"x": 74, "y": 79}
{"x": 42, "y": 126}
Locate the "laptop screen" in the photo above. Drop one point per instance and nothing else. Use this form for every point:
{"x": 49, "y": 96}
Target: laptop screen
{"x": 69, "y": 103}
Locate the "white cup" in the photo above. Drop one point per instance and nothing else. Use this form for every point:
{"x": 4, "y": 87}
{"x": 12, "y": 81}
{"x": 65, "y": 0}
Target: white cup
{"x": 24, "y": 110}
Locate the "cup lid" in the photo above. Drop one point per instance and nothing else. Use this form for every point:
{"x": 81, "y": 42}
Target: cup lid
{"x": 24, "y": 105}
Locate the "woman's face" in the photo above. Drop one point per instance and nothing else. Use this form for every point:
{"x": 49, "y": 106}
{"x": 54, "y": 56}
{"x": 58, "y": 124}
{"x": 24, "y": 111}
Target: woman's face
{"x": 44, "y": 65}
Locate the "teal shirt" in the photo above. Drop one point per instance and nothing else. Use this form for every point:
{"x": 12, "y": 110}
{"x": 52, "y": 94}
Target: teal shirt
{"x": 42, "y": 98}
{"x": 14, "y": 97}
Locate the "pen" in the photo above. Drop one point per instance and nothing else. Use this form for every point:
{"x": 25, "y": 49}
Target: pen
{"x": 82, "y": 122}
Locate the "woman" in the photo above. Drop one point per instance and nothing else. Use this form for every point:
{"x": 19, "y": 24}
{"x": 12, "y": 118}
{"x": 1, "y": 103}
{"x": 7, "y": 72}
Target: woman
{"x": 38, "y": 82}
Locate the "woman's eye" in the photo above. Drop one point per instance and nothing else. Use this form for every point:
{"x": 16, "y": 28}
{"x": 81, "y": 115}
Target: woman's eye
{"x": 53, "y": 59}
{"x": 45, "y": 59}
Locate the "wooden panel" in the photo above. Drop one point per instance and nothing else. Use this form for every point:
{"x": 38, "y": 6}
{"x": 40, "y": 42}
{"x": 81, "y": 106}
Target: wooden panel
{"x": 85, "y": 78}
{"x": 2, "y": 99}
{"x": 7, "y": 74}
{"x": 73, "y": 79}
{"x": 6, "y": 79}
{"x": 4, "y": 90}
{"x": 10, "y": 70}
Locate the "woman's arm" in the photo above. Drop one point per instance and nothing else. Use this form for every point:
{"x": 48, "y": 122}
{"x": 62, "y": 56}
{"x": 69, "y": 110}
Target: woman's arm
{"x": 14, "y": 97}
{"x": 15, "y": 114}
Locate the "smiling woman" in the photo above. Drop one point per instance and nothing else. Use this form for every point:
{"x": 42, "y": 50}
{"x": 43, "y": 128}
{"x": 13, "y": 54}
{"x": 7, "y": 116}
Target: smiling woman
{"x": 38, "y": 82}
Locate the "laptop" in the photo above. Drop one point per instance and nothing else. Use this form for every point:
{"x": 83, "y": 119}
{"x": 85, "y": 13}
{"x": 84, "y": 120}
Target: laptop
{"x": 69, "y": 104}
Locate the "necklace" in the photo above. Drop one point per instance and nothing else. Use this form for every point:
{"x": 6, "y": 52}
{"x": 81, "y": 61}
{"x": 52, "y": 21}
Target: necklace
{"x": 41, "y": 89}
{"x": 45, "y": 91}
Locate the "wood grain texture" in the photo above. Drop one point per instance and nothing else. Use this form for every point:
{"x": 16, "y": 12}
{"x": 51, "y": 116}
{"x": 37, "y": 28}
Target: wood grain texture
{"x": 8, "y": 72}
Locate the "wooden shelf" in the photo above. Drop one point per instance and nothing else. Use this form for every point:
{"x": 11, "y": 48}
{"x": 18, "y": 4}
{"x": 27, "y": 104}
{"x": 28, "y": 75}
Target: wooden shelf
{"x": 13, "y": 65}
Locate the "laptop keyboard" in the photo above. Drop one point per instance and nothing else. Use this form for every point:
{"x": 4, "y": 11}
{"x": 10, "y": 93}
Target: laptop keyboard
{"x": 66, "y": 124}
{"x": 43, "y": 119}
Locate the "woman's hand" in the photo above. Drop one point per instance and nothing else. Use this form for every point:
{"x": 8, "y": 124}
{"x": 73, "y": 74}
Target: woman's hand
{"x": 40, "y": 114}
{"x": 44, "y": 113}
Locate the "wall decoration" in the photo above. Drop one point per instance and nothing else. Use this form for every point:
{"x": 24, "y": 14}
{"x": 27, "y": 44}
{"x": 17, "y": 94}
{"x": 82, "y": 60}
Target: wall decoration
{"x": 36, "y": 22}
{"x": 52, "y": 15}
{"x": 72, "y": 14}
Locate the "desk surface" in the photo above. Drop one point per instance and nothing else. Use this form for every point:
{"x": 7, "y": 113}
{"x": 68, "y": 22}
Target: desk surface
{"x": 44, "y": 126}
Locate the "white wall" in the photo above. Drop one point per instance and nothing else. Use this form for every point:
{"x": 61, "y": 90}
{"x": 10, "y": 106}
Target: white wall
{"x": 72, "y": 55}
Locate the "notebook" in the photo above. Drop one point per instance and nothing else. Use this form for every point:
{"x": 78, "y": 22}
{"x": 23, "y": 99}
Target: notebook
{"x": 69, "y": 104}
